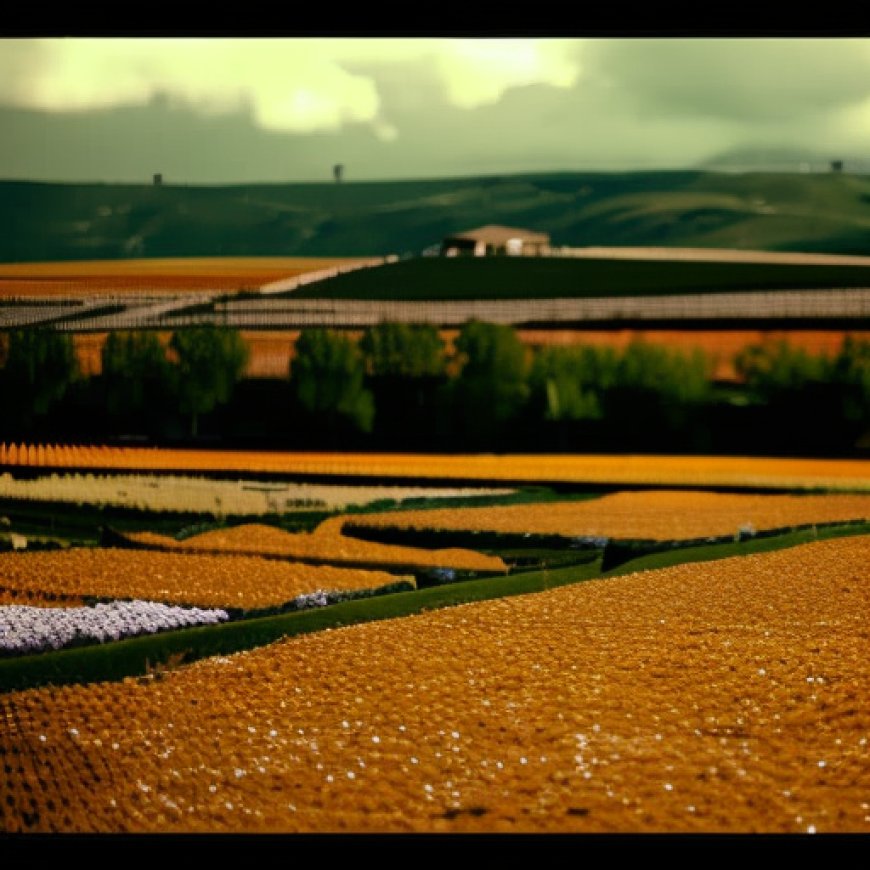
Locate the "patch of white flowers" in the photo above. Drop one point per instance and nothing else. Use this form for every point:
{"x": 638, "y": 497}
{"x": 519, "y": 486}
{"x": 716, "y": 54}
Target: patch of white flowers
{"x": 26, "y": 629}
{"x": 314, "y": 599}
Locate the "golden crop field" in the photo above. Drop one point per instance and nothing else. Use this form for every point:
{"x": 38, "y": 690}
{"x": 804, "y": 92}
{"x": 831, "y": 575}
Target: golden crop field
{"x": 724, "y": 696}
{"x": 177, "y": 578}
{"x": 654, "y": 514}
{"x": 325, "y": 542}
{"x": 170, "y": 275}
{"x": 35, "y": 598}
{"x": 756, "y": 472}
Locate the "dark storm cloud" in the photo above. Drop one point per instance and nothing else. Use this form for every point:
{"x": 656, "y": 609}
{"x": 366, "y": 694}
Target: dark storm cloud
{"x": 744, "y": 80}
{"x": 635, "y": 104}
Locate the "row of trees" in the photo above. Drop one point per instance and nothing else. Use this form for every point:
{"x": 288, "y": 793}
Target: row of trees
{"x": 139, "y": 383}
{"x": 400, "y": 387}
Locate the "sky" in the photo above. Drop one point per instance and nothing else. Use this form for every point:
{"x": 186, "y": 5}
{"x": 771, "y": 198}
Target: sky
{"x": 226, "y": 110}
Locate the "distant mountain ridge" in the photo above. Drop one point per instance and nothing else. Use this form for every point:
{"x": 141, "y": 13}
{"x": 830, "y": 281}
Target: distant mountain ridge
{"x": 799, "y": 211}
{"x": 783, "y": 159}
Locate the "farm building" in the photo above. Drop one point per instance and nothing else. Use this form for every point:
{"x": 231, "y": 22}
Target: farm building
{"x": 494, "y": 239}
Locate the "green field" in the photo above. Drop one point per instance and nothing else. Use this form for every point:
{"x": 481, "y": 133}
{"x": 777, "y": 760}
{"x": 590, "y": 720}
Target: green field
{"x": 438, "y": 278}
{"x": 763, "y": 211}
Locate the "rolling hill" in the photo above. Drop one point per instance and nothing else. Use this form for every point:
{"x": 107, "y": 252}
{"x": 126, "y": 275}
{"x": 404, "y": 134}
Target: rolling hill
{"x": 823, "y": 212}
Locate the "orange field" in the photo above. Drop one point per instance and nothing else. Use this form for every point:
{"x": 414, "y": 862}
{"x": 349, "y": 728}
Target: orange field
{"x": 657, "y": 515}
{"x": 170, "y": 275}
{"x": 178, "y": 578}
{"x": 326, "y": 542}
{"x": 664, "y": 471}
{"x": 724, "y": 696}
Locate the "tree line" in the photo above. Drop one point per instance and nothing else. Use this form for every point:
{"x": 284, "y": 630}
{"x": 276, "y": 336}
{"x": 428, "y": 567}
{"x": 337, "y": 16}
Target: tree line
{"x": 400, "y": 387}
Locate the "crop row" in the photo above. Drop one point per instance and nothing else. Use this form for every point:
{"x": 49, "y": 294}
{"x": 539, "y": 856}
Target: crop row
{"x": 35, "y": 598}
{"x": 758, "y": 472}
{"x": 655, "y": 515}
{"x": 726, "y": 696}
{"x": 178, "y": 578}
{"x": 326, "y": 543}
{"x": 200, "y": 495}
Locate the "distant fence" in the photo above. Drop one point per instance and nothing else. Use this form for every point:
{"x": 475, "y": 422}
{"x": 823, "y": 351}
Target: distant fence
{"x": 786, "y": 304}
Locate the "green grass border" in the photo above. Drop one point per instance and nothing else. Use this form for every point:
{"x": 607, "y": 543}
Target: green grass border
{"x": 711, "y": 552}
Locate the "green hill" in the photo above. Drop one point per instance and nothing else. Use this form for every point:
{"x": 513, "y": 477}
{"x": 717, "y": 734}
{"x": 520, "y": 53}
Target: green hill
{"x": 785, "y": 212}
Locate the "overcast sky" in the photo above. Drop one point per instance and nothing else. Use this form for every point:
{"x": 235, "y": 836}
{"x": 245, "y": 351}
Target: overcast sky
{"x": 242, "y": 110}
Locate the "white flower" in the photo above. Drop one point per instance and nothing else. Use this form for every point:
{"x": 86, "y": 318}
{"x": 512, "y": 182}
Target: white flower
{"x": 25, "y": 629}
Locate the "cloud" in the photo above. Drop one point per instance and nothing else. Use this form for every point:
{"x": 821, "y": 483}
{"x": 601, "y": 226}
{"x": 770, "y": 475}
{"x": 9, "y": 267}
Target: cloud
{"x": 205, "y": 110}
{"x": 757, "y": 80}
{"x": 296, "y": 85}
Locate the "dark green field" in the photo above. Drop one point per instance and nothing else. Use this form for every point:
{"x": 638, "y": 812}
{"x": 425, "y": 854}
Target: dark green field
{"x": 763, "y": 211}
{"x": 438, "y": 278}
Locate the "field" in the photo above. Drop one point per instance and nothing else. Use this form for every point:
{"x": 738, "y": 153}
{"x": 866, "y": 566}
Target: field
{"x": 409, "y": 642}
{"x": 659, "y": 471}
{"x": 726, "y": 696}
{"x": 201, "y": 495}
{"x": 178, "y": 578}
{"x": 655, "y": 515}
{"x": 465, "y": 278}
{"x": 325, "y": 544}
{"x": 556, "y": 694}
{"x": 86, "y": 278}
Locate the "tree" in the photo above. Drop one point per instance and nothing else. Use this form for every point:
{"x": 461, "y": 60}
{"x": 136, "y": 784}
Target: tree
{"x": 774, "y": 371}
{"x": 567, "y": 382}
{"x": 403, "y": 350}
{"x": 210, "y": 361}
{"x": 851, "y": 370}
{"x": 661, "y": 390}
{"x": 406, "y": 367}
{"x": 40, "y": 366}
{"x": 327, "y": 376}
{"x": 492, "y": 387}
{"x": 812, "y": 402}
{"x": 137, "y": 377}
